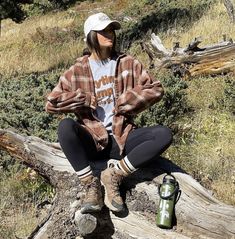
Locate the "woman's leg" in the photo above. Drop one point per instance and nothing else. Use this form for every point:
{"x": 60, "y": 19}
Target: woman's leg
{"x": 77, "y": 144}
{"x": 79, "y": 147}
{"x": 145, "y": 143}
{"x": 142, "y": 145}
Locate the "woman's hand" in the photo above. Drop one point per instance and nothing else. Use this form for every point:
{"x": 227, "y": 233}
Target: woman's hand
{"x": 93, "y": 103}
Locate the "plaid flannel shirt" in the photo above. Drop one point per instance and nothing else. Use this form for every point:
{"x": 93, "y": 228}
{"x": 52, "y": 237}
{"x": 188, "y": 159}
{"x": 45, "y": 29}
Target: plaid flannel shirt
{"x": 134, "y": 90}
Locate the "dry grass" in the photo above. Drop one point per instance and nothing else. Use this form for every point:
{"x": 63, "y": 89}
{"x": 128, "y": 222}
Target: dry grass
{"x": 22, "y": 52}
{"x": 205, "y": 92}
{"x": 34, "y": 45}
{"x": 210, "y": 156}
{"x": 18, "y": 212}
{"x": 207, "y": 147}
{"x": 27, "y": 57}
{"x": 210, "y": 28}
{"x": 19, "y": 223}
{"x": 12, "y": 31}
{"x": 225, "y": 190}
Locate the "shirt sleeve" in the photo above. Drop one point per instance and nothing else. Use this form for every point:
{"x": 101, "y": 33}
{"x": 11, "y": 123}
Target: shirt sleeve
{"x": 144, "y": 94}
{"x": 63, "y": 99}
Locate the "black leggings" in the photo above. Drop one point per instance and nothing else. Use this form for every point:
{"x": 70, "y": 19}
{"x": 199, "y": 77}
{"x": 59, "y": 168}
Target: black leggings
{"x": 141, "y": 146}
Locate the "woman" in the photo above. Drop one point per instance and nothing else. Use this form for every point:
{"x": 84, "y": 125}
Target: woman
{"x": 105, "y": 90}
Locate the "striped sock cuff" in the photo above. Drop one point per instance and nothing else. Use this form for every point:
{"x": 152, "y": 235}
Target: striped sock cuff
{"x": 126, "y": 166}
{"x": 84, "y": 172}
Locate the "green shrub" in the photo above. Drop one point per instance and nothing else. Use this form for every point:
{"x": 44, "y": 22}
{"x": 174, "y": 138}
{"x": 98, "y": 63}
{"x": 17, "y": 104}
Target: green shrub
{"x": 171, "y": 107}
{"x": 41, "y": 7}
{"x": 13, "y": 9}
{"x": 22, "y": 102}
{"x": 22, "y": 105}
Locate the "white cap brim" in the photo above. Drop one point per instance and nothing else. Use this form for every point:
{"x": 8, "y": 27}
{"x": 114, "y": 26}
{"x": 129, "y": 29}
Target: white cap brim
{"x": 116, "y": 25}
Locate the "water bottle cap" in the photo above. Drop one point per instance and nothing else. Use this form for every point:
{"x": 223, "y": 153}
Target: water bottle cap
{"x": 169, "y": 179}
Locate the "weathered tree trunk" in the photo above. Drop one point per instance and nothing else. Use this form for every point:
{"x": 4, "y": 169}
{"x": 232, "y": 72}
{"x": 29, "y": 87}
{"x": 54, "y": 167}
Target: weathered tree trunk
{"x": 230, "y": 9}
{"x": 192, "y": 60}
{"x": 198, "y": 214}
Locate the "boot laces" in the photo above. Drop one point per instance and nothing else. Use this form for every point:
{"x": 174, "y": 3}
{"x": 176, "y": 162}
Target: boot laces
{"x": 91, "y": 188}
{"x": 116, "y": 180}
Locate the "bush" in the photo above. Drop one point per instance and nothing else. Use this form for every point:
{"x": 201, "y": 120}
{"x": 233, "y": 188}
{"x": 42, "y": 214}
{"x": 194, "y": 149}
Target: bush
{"x": 171, "y": 107}
{"x": 22, "y": 103}
{"x": 13, "y": 9}
{"x": 42, "y": 7}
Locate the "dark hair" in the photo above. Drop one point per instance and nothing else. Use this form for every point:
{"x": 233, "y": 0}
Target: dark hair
{"x": 93, "y": 44}
{"x": 86, "y": 51}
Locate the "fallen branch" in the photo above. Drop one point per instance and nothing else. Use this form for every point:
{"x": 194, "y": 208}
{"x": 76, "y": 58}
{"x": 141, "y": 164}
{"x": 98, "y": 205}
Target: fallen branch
{"x": 193, "y": 60}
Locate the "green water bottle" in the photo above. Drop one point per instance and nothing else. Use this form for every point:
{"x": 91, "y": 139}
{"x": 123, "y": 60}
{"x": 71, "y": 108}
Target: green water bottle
{"x": 168, "y": 192}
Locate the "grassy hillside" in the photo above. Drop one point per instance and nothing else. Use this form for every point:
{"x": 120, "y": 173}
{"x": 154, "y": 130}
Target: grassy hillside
{"x": 44, "y": 42}
{"x": 34, "y": 53}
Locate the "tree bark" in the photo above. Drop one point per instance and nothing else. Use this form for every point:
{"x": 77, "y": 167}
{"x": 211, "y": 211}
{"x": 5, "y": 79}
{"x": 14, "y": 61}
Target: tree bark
{"x": 193, "y": 60}
{"x": 198, "y": 213}
{"x": 230, "y": 9}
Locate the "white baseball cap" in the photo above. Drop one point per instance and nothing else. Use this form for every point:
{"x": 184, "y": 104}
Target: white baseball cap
{"x": 98, "y": 22}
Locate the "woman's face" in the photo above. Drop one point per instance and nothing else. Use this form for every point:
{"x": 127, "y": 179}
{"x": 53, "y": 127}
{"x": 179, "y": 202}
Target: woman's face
{"x": 106, "y": 37}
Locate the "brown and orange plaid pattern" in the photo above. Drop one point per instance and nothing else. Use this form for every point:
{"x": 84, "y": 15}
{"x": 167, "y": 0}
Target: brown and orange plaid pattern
{"x": 134, "y": 90}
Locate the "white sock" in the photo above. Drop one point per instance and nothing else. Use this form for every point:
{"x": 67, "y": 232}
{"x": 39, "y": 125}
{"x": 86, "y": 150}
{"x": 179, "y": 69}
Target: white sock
{"x": 84, "y": 172}
{"x": 126, "y": 166}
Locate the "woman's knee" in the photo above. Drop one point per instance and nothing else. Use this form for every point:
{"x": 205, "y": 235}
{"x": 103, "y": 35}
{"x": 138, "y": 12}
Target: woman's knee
{"x": 165, "y": 133}
{"x": 65, "y": 126}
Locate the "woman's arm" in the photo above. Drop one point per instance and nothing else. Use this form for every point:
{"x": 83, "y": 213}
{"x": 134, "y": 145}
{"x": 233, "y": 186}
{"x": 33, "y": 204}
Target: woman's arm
{"x": 144, "y": 94}
{"x": 63, "y": 99}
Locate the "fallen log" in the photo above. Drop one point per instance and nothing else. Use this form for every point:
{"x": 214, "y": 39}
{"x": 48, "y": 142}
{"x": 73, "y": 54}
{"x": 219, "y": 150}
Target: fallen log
{"x": 192, "y": 60}
{"x": 198, "y": 213}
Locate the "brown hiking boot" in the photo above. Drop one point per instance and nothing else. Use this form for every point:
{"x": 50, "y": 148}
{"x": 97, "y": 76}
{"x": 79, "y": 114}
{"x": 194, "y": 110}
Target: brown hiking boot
{"x": 93, "y": 200}
{"x": 111, "y": 179}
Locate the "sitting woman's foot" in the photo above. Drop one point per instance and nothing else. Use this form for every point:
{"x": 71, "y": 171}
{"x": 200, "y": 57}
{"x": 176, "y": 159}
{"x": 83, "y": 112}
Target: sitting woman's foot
{"x": 111, "y": 179}
{"x": 93, "y": 199}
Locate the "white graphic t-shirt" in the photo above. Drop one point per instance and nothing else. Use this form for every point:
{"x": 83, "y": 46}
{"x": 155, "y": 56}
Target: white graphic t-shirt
{"x": 103, "y": 75}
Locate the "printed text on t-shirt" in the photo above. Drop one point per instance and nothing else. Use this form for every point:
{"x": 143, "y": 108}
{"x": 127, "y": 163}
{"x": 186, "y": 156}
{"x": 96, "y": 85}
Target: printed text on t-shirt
{"x": 100, "y": 94}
